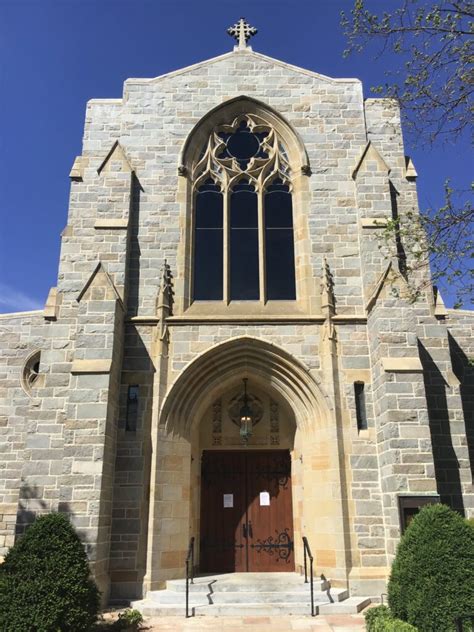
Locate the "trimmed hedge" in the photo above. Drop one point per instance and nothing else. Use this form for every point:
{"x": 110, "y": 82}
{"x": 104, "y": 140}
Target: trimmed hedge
{"x": 45, "y": 583}
{"x": 432, "y": 577}
{"x": 380, "y": 619}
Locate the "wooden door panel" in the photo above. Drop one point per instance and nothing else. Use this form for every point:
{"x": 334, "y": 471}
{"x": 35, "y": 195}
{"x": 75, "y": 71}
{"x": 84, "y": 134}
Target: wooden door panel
{"x": 222, "y": 545}
{"x": 270, "y": 526}
{"x": 256, "y": 532}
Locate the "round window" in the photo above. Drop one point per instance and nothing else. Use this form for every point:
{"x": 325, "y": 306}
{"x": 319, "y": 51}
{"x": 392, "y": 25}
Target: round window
{"x": 30, "y": 372}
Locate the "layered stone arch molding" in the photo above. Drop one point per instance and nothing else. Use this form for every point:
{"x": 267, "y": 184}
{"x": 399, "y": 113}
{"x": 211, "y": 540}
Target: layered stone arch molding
{"x": 231, "y": 110}
{"x": 216, "y": 369}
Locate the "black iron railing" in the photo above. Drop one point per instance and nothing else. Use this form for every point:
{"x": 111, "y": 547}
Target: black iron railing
{"x": 458, "y": 622}
{"x": 307, "y": 554}
{"x": 189, "y": 572}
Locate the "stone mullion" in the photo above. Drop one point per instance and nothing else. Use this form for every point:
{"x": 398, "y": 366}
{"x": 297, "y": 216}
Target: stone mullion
{"x": 261, "y": 248}
{"x": 193, "y": 242}
{"x": 226, "y": 245}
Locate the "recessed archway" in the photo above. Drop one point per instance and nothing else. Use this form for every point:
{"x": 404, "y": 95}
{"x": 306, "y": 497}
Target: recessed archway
{"x": 222, "y": 365}
{"x": 217, "y": 374}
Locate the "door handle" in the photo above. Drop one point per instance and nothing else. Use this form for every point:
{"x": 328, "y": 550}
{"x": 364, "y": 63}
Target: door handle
{"x": 250, "y": 529}
{"x": 244, "y": 530}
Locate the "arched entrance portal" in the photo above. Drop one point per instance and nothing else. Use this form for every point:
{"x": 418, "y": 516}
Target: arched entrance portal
{"x": 245, "y": 521}
{"x": 186, "y": 432}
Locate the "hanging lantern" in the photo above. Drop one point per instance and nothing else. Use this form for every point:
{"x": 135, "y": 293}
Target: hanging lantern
{"x": 246, "y": 420}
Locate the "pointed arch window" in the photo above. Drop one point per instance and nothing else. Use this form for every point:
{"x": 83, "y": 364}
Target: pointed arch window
{"x": 243, "y": 216}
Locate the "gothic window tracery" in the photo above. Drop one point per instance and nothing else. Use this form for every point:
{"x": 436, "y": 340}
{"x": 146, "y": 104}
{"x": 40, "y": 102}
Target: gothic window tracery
{"x": 30, "y": 375}
{"x": 243, "y": 215}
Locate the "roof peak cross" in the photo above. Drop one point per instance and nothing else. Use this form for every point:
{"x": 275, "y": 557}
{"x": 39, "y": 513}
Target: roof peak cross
{"x": 242, "y": 32}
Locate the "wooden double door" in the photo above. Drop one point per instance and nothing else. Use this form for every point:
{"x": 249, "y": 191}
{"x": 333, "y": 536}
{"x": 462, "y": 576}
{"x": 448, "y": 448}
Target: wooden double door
{"x": 246, "y": 512}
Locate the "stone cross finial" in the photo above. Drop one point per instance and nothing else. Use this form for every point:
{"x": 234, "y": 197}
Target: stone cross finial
{"x": 242, "y": 32}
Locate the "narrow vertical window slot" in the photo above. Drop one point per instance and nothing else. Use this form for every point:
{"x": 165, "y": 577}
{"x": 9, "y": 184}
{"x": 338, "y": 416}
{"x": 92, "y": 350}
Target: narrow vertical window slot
{"x": 131, "y": 417}
{"x": 361, "y": 413}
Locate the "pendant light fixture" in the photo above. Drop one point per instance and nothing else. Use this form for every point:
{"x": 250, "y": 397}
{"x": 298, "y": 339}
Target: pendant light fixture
{"x": 246, "y": 418}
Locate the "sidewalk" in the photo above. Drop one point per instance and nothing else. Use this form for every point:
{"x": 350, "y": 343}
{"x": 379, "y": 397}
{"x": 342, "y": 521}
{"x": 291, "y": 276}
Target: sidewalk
{"x": 332, "y": 623}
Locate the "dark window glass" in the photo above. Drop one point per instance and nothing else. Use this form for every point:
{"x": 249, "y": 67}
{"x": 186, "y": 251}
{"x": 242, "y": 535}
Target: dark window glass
{"x": 208, "y": 243}
{"x": 131, "y": 417}
{"x": 279, "y": 244}
{"x": 244, "y": 282}
{"x": 243, "y": 207}
{"x": 409, "y": 506}
{"x": 360, "y": 406}
{"x": 243, "y": 145}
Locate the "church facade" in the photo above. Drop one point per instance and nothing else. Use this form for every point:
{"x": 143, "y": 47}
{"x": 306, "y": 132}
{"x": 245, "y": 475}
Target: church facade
{"x": 230, "y": 353}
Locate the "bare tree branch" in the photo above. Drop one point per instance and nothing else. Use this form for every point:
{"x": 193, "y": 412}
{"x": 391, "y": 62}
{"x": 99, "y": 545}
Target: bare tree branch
{"x": 434, "y": 87}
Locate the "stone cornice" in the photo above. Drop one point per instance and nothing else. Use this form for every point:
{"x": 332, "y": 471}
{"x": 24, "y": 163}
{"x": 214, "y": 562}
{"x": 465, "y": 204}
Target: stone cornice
{"x": 254, "y": 320}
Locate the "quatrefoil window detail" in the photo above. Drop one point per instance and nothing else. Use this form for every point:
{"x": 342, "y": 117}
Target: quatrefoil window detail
{"x": 243, "y": 145}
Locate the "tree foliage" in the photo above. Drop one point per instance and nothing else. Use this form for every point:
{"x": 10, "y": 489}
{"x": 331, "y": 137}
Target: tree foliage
{"x": 442, "y": 237}
{"x": 433, "y": 573}
{"x": 44, "y": 581}
{"x": 434, "y": 87}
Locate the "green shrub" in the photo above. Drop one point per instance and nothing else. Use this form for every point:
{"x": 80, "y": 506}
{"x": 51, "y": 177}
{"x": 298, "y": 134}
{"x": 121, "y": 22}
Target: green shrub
{"x": 433, "y": 572}
{"x": 376, "y": 617}
{"x": 44, "y": 581}
{"x": 129, "y": 618}
{"x": 396, "y": 625}
{"x": 379, "y": 619}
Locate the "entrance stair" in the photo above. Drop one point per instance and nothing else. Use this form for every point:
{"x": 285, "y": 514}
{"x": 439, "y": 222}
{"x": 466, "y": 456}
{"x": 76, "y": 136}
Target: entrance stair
{"x": 237, "y": 594}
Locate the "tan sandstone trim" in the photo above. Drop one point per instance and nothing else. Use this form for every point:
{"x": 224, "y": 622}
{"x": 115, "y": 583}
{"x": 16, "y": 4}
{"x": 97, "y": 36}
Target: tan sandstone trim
{"x": 91, "y": 366}
{"x": 374, "y": 222}
{"x": 402, "y": 365}
{"x": 111, "y": 223}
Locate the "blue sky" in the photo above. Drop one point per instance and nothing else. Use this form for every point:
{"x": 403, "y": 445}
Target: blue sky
{"x": 57, "y": 54}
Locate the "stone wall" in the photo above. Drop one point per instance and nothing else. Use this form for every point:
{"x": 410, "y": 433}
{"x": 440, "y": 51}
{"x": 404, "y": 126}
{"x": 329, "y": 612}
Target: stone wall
{"x": 67, "y": 446}
{"x": 20, "y": 335}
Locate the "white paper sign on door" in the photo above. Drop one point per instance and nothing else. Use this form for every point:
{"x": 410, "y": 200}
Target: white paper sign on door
{"x": 228, "y": 500}
{"x": 264, "y": 499}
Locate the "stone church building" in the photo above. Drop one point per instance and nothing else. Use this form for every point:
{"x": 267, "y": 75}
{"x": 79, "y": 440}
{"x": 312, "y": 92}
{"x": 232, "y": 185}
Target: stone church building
{"x": 230, "y": 352}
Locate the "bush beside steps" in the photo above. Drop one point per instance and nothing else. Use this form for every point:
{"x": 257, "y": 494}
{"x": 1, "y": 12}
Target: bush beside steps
{"x": 380, "y": 619}
{"x": 432, "y": 579}
{"x": 45, "y": 583}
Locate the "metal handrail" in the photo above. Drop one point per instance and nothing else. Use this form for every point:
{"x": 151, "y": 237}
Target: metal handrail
{"x": 189, "y": 572}
{"x": 458, "y": 622}
{"x": 307, "y": 553}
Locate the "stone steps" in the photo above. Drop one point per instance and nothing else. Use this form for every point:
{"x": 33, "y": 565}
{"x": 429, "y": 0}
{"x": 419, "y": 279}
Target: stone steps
{"x": 246, "y": 582}
{"x": 149, "y": 609}
{"x": 168, "y": 597}
{"x": 234, "y": 594}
